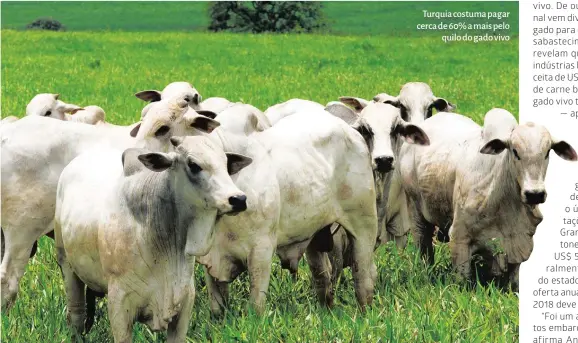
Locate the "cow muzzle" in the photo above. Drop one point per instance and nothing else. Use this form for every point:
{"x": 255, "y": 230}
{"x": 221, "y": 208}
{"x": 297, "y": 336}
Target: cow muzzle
{"x": 383, "y": 164}
{"x": 534, "y": 197}
{"x": 238, "y": 204}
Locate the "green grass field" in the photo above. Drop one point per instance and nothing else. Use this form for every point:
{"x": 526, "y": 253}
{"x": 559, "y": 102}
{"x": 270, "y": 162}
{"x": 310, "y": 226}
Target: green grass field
{"x": 412, "y": 303}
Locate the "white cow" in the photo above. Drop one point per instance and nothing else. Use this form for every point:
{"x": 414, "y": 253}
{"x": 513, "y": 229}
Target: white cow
{"x": 289, "y": 107}
{"x": 308, "y": 171}
{"x": 384, "y": 132}
{"x": 48, "y": 105}
{"x": 130, "y": 225}
{"x": 415, "y": 101}
{"x": 35, "y": 150}
{"x": 482, "y": 187}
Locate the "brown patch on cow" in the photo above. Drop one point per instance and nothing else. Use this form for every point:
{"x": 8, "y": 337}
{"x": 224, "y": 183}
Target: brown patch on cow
{"x": 231, "y": 236}
{"x": 344, "y": 192}
{"x": 293, "y": 195}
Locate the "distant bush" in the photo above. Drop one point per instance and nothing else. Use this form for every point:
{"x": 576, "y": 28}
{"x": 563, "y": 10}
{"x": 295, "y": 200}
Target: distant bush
{"x": 266, "y": 16}
{"x": 45, "y": 24}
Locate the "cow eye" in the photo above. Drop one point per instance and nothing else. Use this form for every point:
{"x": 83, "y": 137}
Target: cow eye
{"x": 47, "y": 113}
{"x": 516, "y": 154}
{"x": 162, "y": 131}
{"x": 195, "y": 168}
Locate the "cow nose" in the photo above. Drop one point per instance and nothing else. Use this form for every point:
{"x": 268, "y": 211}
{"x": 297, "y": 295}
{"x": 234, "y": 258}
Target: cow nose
{"x": 535, "y": 197}
{"x": 384, "y": 163}
{"x": 239, "y": 203}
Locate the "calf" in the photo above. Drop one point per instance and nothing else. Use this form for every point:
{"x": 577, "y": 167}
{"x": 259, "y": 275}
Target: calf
{"x": 35, "y": 150}
{"x": 130, "y": 225}
{"x": 482, "y": 187}
{"x": 308, "y": 171}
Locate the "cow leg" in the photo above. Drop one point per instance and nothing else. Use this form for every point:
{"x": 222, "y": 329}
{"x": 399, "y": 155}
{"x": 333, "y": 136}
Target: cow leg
{"x": 362, "y": 235}
{"x": 337, "y": 256}
{"x": 18, "y": 245}
{"x": 75, "y": 297}
{"x": 423, "y": 232}
{"x": 120, "y": 314}
{"x": 461, "y": 250}
{"x": 178, "y": 327}
{"x": 2, "y": 243}
{"x": 321, "y": 273}
{"x": 90, "y": 309}
{"x": 218, "y": 294}
{"x": 259, "y": 267}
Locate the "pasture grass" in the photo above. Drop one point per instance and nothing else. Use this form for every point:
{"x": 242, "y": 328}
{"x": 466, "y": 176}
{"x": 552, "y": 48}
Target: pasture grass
{"x": 108, "y": 68}
{"x": 342, "y": 17}
{"x": 412, "y": 303}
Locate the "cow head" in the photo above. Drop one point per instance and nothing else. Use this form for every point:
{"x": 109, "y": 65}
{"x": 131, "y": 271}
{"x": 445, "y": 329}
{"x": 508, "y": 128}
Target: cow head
{"x": 384, "y": 130}
{"x": 48, "y": 105}
{"x": 415, "y": 101}
{"x": 528, "y": 149}
{"x": 199, "y": 175}
{"x": 242, "y": 119}
{"x": 167, "y": 118}
{"x": 172, "y": 90}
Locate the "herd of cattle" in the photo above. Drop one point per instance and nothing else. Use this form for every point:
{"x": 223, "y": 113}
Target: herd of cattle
{"x": 132, "y": 207}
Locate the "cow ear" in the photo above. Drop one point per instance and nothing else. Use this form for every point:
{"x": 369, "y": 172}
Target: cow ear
{"x": 149, "y": 95}
{"x": 68, "y": 108}
{"x": 206, "y": 113}
{"x": 345, "y": 113}
{"x": 134, "y": 130}
{"x": 204, "y": 124}
{"x": 236, "y": 162}
{"x": 494, "y": 147}
{"x": 442, "y": 105}
{"x": 564, "y": 150}
{"x": 156, "y": 161}
{"x": 357, "y": 104}
{"x": 413, "y": 134}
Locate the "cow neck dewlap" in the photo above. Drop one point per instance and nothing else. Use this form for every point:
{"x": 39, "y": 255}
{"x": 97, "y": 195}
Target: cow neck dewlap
{"x": 150, "y": 199}
{"x": 503, "y": 185}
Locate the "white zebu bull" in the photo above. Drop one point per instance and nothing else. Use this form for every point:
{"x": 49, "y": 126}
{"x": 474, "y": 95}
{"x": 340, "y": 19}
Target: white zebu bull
{"x": 130, "y": 225}
{"x": 414, "y": 104}
{"x": 308, "y": 171}
{"x": 384, "y": 132}
{"x": 35, "y": 150}
{"x": 484, "y": 184}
